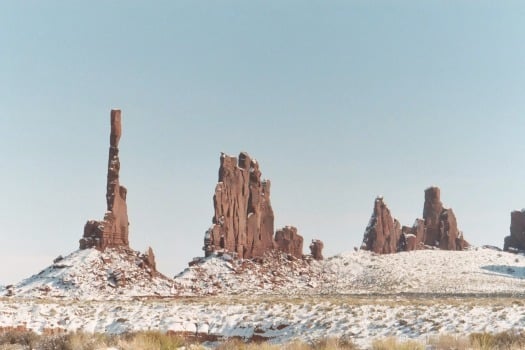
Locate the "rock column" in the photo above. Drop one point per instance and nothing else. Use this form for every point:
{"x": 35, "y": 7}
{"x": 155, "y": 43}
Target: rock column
{"x": 112, "y": 231}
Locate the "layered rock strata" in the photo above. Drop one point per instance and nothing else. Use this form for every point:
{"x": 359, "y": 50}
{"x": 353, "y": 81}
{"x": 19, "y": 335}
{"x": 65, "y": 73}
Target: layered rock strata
{"x": 112, "y": 231}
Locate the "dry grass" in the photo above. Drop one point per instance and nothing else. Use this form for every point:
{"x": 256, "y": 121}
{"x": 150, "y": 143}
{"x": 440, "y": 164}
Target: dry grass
{"x": 324, "y": 344}
{"x": 153, "y": 340}
{"x": 395, "y": 344}
{"x": 448, "y": 342}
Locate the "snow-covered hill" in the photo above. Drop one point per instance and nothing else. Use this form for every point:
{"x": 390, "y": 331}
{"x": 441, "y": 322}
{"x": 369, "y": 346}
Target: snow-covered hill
{"x": 476, "y": 271}
{"x": 119, "y": 274}
{"x": 358, "y": 295}
{"x": 93, "y": 275}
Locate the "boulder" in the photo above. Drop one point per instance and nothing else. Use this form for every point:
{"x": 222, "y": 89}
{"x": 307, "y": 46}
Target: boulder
{"x": 289, "y": 241}
{"x": 316, "y": 249}
{"x": 243, "y": 220}
{"x": 112, "y": 231}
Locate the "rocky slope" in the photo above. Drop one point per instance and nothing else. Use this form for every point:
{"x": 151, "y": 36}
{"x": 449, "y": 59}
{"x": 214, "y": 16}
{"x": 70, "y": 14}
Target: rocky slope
{"x": 432, "y": 272}
{"x": 89, "y": 274}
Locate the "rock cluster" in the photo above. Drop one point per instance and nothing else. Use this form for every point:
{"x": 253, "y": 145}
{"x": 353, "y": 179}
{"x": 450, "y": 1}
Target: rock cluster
{"x": 243, "y": 222}
{"x": 516, "y": 240}
{"x": 437, "y": 229}
{"x": 113, "y": 230}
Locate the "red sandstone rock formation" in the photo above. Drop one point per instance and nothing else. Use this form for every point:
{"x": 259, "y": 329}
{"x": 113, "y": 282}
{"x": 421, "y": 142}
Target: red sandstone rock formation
{"x": 113, "y": 230}
{"x": 440, "y": 223}
{"x": 516, "y": 240}
{"x": 316, "y": 249}
{"x": 414, "y": 237}
{"x": 432, "y": 215}
{"x": 383, "y": 233}
{"x": 289, "y": 241}
{"x": 437, "y": 229}
{"x": 243, "y": 220}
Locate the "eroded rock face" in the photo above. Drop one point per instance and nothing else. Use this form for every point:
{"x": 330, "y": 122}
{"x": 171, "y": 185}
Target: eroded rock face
{"x": 289, "y": 241}
{"x": 112, "y": 231}
{"x": 383, "y": 233}
{"x": 243, "y": 221}
{"x": 516, "y": 240}
{"x": 316, "y": 249}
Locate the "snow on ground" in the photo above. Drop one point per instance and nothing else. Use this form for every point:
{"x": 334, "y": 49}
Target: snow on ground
{"x": 117, "y": 274}
{"x": 360, "y": 319}
{"x": 359, "y": 295}
{"x": 93, "y": 275}
{"x": 478, "y": 271}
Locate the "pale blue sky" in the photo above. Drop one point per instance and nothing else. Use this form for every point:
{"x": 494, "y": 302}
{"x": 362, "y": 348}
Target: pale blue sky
{"x": 338, "y": 100}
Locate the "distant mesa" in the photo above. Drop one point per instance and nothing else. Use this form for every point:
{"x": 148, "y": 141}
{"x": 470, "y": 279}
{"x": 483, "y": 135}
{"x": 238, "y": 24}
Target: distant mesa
{"x": 438, "y": 228}
{"x": 243, "y": 222}
{"x": 516, "y": 240}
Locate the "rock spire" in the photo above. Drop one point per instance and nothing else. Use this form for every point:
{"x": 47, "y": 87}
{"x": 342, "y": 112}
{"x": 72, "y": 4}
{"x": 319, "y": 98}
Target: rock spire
{"x": 112, "y": 231}
{"x": 243, "y": 222}
{"x": 383, "y": 232}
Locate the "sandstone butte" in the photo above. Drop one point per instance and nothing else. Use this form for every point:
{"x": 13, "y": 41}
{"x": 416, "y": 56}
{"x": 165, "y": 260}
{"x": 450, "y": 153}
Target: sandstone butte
{"x": 113, "y": 230}
{"x": 437, "y": 229}
{"x": 243, "y": 220}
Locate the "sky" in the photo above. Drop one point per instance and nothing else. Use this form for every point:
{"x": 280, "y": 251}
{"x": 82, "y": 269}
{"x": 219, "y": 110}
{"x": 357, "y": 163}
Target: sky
{"x": 339, "y": 101}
